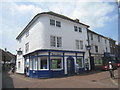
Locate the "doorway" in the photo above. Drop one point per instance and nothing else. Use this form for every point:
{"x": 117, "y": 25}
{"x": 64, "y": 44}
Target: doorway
{"x": 70, "y": 66}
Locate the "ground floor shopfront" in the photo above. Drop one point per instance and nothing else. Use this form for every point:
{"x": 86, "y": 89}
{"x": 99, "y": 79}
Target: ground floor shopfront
{"x": 53, "y": 63}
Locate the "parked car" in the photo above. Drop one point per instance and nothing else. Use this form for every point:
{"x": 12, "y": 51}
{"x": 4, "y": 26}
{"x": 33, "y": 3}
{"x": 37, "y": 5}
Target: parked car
{"x": 118, "y": 63}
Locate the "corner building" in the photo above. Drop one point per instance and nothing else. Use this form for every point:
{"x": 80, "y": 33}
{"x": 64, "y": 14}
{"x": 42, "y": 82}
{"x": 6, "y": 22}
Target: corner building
{"x": 50, "y": 45}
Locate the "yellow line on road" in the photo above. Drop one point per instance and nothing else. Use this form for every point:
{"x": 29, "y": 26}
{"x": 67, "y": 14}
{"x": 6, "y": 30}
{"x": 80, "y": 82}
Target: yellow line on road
{"x": 114, "y": 82}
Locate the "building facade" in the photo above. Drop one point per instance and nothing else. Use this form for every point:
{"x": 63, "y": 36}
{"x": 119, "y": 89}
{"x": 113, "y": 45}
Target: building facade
{"x": 51, "y": 45}
{"x": 99, "y": 46}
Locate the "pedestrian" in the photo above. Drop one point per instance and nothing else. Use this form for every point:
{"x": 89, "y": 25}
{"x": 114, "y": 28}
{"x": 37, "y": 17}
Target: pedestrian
{"x": 77, "y": 68}
{"x": 111, "y": 70}
{"x": 25, "y": 71}
{"x": 87, "y": 66}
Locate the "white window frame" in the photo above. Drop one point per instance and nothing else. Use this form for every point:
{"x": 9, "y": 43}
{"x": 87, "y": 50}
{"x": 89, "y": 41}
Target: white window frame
{"x": 27, "y": 47}
{"x": 79, "y": 44}
{"x": 27, "y": 33}
{"x": 58, "y": 24}
{"x": 57, "y": 41}
{"x": 52, "y": 58}
{"x": 82, "y": 62}
{"x": 34, "y": 63}
{"x": 51, "y": 22}
{"x": 30, "y": 64}
{"x": 39, "y": 63}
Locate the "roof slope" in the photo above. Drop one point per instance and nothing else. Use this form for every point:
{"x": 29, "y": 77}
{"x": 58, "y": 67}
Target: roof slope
{"x": 49, "y": 13}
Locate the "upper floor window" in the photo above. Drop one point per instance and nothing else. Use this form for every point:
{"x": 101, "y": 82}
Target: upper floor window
{"x": 91, "y": 36}
{"x": 96, "y": 48}
{"x": 58, "y": 23}
{"x": 27, "y": 33}
{"x": 106, "y": 49}
{"x": 75, "y": 28}
{"x": 52, "y": 22}
{"x": 105, "y": 41}
{"x": 27, "y": 47}
{"x": 80, "y": 29}
{"x": 79, "y": 44}
{"x": 55, "y": 41}
{"x": 98, "y": 38}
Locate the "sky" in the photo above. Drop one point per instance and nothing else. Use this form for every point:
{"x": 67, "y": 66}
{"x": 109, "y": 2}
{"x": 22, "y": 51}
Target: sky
{"x": 102, "y": 17}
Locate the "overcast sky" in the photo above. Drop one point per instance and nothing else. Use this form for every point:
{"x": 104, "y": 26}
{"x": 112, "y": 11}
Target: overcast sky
{"x": 102, "y": 17}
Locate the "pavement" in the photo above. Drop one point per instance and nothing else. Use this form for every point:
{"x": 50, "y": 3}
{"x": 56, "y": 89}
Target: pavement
{"x": 93, "y": 79}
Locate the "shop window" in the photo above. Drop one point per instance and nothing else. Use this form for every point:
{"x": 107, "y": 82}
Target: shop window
{"x": 35, "y": 63}
{"x": 30, "y": 64}
{"x": 79, "y": 61}
{"x": 43, "y": 63}
{"x": 56, "y": 63}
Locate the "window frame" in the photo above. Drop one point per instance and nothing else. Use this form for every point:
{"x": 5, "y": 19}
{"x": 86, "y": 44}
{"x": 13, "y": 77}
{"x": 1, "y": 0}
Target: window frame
{"x": 52, "y": 58}
{"x": 80, "y": 29}
{"x": 91, "y": 35}
{"x": 26, "y": 47}
{"x": 56, "y": 40}
{"x": 35, "y": 64}
{"x": 82, "y": 62}
{"x": 58, "y": 24}
{"x": 52, "y": 22}
{"x": 75, "y": 29}
{"x": 79, "y": 44}
{"x": 27, "y": 33}
{"x": 39, "y": 63}
{"x": 99, "y": 38}
{"x": 96, "y": 49}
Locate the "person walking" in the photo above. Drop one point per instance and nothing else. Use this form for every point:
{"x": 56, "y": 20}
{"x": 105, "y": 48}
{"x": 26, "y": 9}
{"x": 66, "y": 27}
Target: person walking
{"x": 111, "y": 70}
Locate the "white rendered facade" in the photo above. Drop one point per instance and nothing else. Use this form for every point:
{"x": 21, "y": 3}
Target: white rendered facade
{"x": 39, "y": 35}
{"x": 99, "y": 45}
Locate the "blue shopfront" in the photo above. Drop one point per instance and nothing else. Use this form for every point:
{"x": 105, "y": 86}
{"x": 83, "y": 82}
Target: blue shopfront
{"x": 53, "y": 63}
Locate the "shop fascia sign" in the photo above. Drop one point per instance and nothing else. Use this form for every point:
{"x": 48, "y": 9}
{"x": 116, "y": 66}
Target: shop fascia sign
{"x": 55, "y": 53}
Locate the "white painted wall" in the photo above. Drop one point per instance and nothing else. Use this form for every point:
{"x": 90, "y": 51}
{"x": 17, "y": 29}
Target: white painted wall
{"x": 101, "y": 45}
{"x": 41, "y": 30}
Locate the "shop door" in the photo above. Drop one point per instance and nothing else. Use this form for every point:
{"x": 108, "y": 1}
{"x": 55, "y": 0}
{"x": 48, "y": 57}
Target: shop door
{"x": 70, "y": 66}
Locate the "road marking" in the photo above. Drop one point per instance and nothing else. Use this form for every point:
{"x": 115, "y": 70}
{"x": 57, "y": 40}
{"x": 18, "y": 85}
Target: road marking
{"x": 114, "y": 82}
